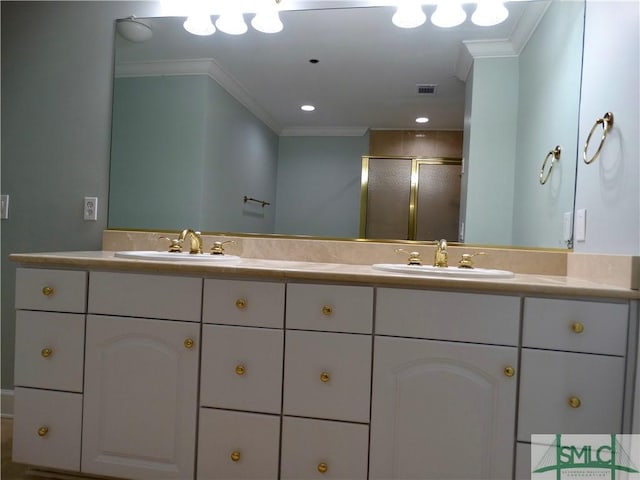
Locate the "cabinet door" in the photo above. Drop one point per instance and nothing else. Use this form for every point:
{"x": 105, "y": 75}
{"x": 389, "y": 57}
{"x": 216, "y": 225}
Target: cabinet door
{"x": 241, "y": 368}
{"x": 140, "y": 402}
{"x": 323, "y": 449}
{"x": 237, "y": 445}
{"x": 46, "y": 428}
{"x": 442, "y": 410}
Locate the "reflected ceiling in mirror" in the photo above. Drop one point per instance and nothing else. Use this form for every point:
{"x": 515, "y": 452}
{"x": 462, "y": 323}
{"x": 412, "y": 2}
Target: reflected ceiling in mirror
{"x": 201, "y": 122}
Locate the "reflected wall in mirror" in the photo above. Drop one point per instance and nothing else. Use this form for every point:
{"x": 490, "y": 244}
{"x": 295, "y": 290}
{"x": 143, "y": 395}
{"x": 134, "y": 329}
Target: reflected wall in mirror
{"x": 201, "y": 122}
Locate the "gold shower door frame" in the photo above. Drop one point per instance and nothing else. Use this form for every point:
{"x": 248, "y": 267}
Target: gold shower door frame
{"x": 412, "y": 224}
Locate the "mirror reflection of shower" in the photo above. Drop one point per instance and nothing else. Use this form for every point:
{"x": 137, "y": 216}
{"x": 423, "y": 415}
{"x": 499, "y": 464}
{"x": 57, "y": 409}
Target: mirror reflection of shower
{"x": 409, "y": 198}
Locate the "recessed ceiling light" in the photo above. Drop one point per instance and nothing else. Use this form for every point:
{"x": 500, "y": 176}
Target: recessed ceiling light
{"x": 308, "y": 108}
{"x": 422, "y": 120}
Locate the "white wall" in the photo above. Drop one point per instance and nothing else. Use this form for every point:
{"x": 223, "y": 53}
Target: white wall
{"x": 609, "y": 188}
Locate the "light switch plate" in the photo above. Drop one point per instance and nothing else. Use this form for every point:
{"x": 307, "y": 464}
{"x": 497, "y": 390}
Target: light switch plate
{"x": 566, "y": 226}
{"x": 581, "y": 225}
{"x": 4, "y": 207}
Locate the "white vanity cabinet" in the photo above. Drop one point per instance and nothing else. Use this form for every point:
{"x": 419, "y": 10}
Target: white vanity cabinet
{"x": 444, "y": 408}
{"x": 141, "y": 376}
{"x": 573, "y": 369}
{"x": 327, "y": 381}
{"x": 241, "y": 379}
{"x": 49, "y": 360}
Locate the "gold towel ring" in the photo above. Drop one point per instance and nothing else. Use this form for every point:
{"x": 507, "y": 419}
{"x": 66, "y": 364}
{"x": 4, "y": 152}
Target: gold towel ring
{"x": 553, "y": 155}
{"x": 607, "y": 123}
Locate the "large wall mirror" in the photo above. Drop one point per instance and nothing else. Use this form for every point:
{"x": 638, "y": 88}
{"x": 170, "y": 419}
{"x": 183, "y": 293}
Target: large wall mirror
{"x": 201, "y": 123}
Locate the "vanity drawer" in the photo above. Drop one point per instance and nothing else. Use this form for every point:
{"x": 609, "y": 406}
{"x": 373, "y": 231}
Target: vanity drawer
{"x": 575, "y": 325}
{"x": 241, "y": 368}
{"x": 573, "y": 393}
{"x": 323, "y": 449}
{"x": 330, "y": 308}
{"x": 52, "y": 290}
{"x": 49, "y": 350}
{"x": 464, "y": 317}
{"x": 148, "y": 296}
{"x": 237, "y": 445}
{"x": 327, "y": 375}
{"x": 236, "y": 302}
{"x": 47, "y": 428}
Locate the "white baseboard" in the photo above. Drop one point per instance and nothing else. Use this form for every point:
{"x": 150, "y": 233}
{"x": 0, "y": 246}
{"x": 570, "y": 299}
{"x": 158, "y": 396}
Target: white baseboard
{"x": 6, "y": 403}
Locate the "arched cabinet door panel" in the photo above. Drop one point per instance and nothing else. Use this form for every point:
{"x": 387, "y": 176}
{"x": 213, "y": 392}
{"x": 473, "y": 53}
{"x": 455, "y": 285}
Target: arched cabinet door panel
{"x": 140, "y": 399}
{"x": 442, "y": 410}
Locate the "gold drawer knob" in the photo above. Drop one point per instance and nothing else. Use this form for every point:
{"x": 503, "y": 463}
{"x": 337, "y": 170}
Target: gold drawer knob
{"x": 241, "y": 303}
{"x": 577, "y": 327}
{"x": 509, "y": 371}
{"x": 46, "y": 352}
{"x": 235, "y": 456}
{"x": 327, "y": 310}
{"x": 324, "y": 377}
{"x": 47, "y": 291}
{"x": 574, "y": 402}
{"x": 42, "y": 431}
{"x": 189, "y": 343}
{"x": 240, "y": 370}
{"x": 323, "y": 467}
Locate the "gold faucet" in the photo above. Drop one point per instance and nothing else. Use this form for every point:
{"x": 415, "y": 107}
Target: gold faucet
{"x": 441, "y": 258}
{"x": 196, "y": 241}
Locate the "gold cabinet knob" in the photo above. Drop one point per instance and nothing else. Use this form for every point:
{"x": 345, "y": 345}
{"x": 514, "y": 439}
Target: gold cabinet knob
{"x": 241, "y": 303}
{"x": 42, "y": 431}
{"x": 47, "y": 291}
{"x": 189, "y": 343}
{"x": 46, "y": 352}
{"x": 327, "y": 310}
{"x": 323, "y": 467}
{"x": 235, "y": 456}
{"x": 574, "y": 402}
{"x": 509, "y": 371}
{"x": 240, "y": 370}
{"x": 324, "y": 377}
{"x": 577, "y": 327}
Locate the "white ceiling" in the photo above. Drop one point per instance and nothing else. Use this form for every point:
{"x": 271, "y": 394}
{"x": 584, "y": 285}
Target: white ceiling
{"x": 367, "y": 72}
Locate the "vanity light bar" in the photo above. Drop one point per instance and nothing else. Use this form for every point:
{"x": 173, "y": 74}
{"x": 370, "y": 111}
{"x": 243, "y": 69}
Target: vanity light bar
{"x": 449, "y": 13}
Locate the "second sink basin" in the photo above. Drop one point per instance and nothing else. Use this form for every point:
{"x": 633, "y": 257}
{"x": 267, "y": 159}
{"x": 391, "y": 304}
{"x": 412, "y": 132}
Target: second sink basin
{"x": 442, "y": 272}
{"x": 176, "y": 256}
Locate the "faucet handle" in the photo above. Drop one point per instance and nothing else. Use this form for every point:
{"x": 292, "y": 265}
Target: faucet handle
{"x": 414, "y": 257}
{"x": 466, "y": 260}
{"x": 218, "y": 248}
{"x": 176, "y": 244}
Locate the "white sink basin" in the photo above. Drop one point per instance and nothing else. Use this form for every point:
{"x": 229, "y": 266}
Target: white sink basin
{"x": 442, "y": 272}
{"x": 177, "y": 256}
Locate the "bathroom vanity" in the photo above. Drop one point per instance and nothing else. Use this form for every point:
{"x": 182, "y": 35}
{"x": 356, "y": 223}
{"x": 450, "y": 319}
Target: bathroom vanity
{"x": 275, "y": 369}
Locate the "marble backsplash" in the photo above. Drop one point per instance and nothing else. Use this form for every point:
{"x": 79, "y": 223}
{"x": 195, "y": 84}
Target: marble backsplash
{"x": 616, "y": 270}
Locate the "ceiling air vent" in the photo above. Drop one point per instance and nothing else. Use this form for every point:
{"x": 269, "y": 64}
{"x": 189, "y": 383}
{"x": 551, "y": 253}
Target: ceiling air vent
{"x": 426, "y": 89}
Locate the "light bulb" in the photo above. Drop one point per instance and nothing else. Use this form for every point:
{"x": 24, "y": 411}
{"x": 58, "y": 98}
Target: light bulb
{"x": 409, "y": 15}
{"x": 449, "y": 13}
{"x": 199, "y": 25}
{"x": 422, "y": 120}
{"x": 232, "y": 23}
{"x": 489, "y": 13}
{"x": 267, "y": 21}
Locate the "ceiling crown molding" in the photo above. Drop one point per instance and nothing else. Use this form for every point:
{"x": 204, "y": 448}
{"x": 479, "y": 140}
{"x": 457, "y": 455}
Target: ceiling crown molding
{"x": 206, "y": 66}
{"x": 323, "y": 131}
{"x": 510, "y": 47}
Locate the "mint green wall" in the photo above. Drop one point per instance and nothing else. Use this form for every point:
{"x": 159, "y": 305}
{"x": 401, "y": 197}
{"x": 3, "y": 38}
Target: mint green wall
{"x": 208, "y": 152}
{"x": 241, "y": 159}
{"x": 550, "y": 70}
{"x": 154, "y": 183}
{"x": 489, "y": 167}
{"x": 319, "y": 185}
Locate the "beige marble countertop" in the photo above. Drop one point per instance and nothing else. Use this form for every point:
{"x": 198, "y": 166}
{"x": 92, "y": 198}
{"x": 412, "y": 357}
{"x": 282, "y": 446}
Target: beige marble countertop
{"x": 327, "y": 272}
